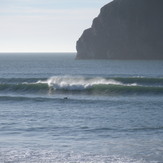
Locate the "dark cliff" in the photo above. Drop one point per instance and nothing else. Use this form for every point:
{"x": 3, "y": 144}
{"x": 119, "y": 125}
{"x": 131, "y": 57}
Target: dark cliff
{"x": 125, "y": 29}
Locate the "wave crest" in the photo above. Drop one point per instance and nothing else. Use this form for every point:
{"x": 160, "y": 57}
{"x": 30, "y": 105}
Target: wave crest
{"x": 80, "y": 84}
{"x": 77, "y": 83}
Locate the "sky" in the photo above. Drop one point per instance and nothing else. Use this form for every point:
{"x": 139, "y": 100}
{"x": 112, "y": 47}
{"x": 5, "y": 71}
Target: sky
{"x": 45, "y": 25}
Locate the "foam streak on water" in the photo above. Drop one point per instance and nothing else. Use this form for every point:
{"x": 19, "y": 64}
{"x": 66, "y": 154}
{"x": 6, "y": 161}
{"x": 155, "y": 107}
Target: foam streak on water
{"x": 32, "y": 156}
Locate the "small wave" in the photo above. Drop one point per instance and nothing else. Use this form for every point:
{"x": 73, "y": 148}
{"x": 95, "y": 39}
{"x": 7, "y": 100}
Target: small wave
{"x": 19, "y": 80}
{"x": 125, "y": 89}
{"x": 104, "y": 129}
{"x": 144, "y": 129}
{"x": 24, "y": 98}
{"x": 24, "y": 87}
{"x": 141, "y": 80}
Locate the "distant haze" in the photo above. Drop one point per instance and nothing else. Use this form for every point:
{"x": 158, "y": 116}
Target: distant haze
{"x": 45, "y": 26}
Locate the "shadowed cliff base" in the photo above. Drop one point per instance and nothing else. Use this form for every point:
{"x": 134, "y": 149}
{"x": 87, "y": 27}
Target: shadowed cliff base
{"x": 124, "y": 29}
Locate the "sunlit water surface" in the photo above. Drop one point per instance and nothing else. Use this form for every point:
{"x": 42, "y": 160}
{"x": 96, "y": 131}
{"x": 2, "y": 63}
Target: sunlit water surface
{"x": 56, "y": 109}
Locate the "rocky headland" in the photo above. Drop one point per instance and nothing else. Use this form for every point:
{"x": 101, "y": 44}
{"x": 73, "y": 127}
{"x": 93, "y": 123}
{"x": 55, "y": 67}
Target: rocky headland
{"x": 124, "y": 29}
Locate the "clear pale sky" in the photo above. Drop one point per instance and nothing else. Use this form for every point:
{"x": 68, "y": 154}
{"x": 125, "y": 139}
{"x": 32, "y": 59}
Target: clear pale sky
{"x": 45, "y": 25}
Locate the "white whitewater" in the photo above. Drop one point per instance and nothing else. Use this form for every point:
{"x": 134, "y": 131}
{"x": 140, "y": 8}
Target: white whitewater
{"x": 77, "y": 82}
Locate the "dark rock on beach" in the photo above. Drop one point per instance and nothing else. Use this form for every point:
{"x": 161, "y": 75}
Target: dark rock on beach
{"x": 125, "y": 29}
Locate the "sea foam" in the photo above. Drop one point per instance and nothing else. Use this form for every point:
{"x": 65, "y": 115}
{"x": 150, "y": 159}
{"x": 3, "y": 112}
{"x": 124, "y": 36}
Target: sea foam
{"x": 77, "y": 82}
{"x": 43, "y": 156}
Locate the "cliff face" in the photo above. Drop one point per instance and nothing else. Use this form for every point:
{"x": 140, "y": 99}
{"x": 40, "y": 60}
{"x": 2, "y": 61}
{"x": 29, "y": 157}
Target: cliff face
{"x": 125, "y": 29}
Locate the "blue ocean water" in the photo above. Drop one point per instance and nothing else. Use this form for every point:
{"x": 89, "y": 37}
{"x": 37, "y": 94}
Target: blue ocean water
{"x": 55, "y": 109}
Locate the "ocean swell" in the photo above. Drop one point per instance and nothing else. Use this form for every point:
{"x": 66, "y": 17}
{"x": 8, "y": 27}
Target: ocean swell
{"x": 87, "y": 85}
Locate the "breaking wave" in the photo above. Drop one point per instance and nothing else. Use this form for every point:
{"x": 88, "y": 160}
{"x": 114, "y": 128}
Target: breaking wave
{"x": 80, "y": 84}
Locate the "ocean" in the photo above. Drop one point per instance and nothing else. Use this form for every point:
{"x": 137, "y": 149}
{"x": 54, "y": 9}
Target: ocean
{"x": 55, "y": 109}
